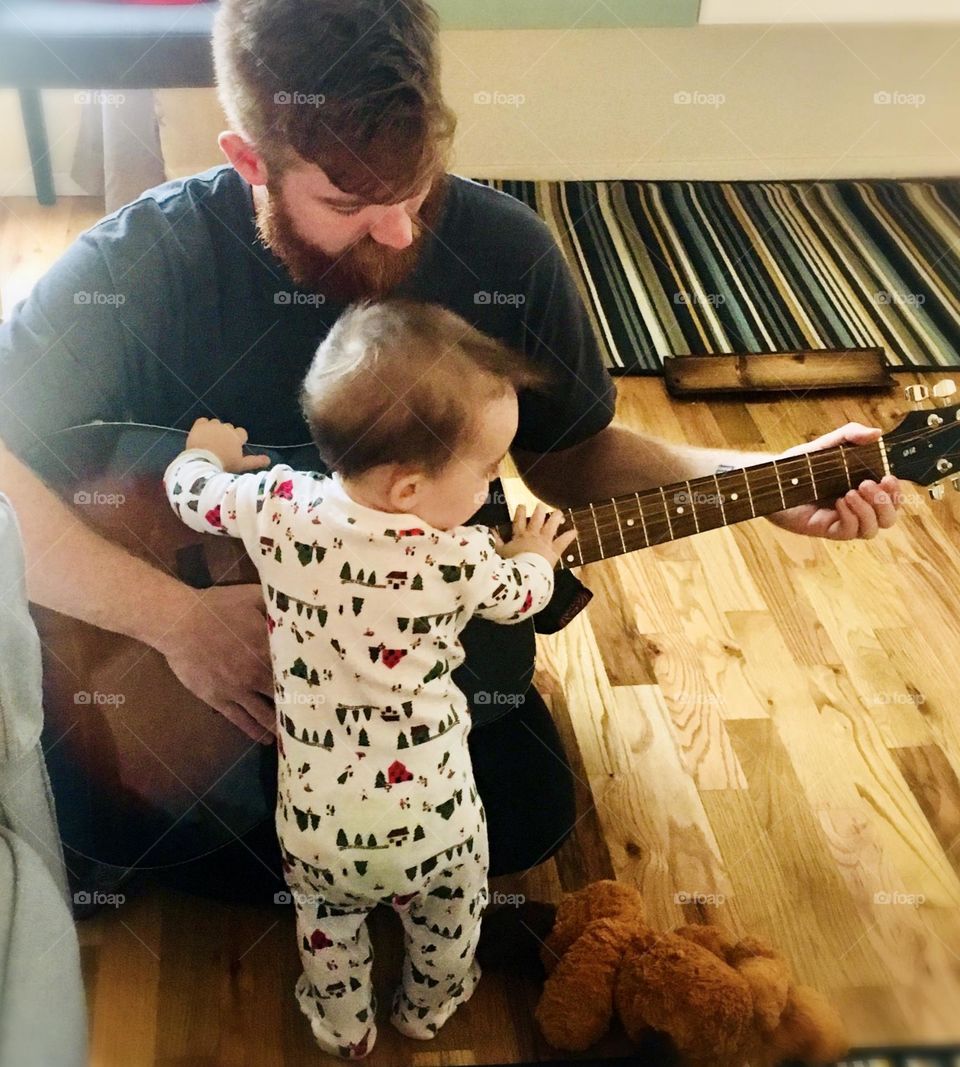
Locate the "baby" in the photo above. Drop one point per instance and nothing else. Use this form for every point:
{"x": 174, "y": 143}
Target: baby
{"x": 369, "y": 576}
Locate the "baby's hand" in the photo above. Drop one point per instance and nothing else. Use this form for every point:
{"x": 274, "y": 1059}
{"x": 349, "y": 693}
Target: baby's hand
{"x": 227, "y": 441}
{"x": 536, "y": 535}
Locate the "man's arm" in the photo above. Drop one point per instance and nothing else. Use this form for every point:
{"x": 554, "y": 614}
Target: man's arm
{"x": 617, "y": 461}
{"x": 74, "y": 570}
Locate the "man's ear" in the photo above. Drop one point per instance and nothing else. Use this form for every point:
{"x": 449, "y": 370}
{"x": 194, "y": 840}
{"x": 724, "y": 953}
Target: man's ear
{"x": 243, "y": 156}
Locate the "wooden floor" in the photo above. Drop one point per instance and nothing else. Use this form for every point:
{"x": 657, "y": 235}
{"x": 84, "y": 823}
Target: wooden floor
{"x": 765, "y": 734}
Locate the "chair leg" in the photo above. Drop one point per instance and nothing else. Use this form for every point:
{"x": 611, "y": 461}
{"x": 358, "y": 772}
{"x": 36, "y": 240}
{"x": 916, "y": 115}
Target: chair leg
{"x": 31, "y": 106}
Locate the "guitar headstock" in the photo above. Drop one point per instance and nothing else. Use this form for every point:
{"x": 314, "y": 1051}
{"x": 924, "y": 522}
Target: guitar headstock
{"x": 924, "y": 448}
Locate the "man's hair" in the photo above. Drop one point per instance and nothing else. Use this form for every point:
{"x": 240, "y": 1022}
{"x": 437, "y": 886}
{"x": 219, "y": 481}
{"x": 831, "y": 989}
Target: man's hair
{"x": 352, "y": 86}
{"x": 405, "y": 382}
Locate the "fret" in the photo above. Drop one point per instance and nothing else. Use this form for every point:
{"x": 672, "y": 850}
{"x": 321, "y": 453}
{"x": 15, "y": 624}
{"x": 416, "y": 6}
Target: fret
{"x": 666, "y": 511}
{"x": 616, "y": 515}
{"x": 723, "y": 511}
{"x": 642, "y": 520}
{"x": 776, "y": 471}
{"x": 798, "y": 494}
{"x": 576, "y": 541}
{"x": 746, "y": 479}
{"x": 813, "y": 481}
{"x": 693, "y": 506}
{"x": 706, "y": 504}
{"x": 684, "y": 513}
{"x": 846, "y": 469}
{"x": 734, "y": 492}
{"x": 579, "y": 547}
{"x": 596, "y": 526}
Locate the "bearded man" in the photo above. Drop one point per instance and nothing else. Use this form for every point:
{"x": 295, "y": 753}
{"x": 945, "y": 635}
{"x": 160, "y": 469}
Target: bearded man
{"x": 336, "y": 188}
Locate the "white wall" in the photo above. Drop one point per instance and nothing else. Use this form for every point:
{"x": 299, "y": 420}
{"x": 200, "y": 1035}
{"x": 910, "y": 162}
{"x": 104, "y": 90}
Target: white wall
{"x": 722, "y": 101}
{"x": 834, "y": 11}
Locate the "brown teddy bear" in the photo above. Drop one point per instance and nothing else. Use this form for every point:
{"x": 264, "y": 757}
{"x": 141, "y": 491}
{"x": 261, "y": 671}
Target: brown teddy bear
{"x": 723, "y": 1003}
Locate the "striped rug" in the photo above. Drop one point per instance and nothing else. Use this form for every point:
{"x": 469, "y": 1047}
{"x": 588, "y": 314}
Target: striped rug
{"x": 674, "y": 268}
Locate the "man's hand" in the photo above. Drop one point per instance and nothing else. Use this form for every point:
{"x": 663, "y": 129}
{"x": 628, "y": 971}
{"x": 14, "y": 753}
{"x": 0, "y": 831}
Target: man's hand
{"x": 220, "y": 651}
{"x": 861, "y": 513}
{"x": 227, "y": 441}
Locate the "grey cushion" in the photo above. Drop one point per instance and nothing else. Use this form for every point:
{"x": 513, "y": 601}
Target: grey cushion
{"x": 42, "y": 1002}
{"x": 21, "y": 708}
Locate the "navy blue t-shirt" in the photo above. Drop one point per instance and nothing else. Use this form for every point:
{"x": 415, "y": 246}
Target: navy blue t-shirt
{"x": 171, "y": 308}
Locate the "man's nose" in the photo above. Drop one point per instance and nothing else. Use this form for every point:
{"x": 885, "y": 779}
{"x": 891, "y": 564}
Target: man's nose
{"x": 394, "y": 228}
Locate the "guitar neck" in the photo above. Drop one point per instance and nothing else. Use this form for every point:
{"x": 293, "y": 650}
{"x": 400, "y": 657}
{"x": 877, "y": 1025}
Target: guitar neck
{"x": 628, "y": 523}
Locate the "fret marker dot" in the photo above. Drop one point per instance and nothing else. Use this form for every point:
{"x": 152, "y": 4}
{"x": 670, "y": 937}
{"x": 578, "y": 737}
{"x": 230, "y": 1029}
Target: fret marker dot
{"x": 680, "y": 510}
{"x": 629, "y": 522}
{"x": 794, "y": 481}
{"x": 570, "y": 558}
{"x": 733, "y": 496}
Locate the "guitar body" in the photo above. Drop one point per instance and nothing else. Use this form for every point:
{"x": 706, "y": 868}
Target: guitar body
{"x": 147, "y": 773}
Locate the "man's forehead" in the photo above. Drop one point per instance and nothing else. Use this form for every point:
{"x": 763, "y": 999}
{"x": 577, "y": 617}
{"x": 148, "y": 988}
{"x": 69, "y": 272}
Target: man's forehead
{"x": 310, "y": 179}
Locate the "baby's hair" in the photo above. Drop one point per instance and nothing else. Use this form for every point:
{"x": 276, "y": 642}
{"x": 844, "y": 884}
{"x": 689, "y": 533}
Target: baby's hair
{"x": 401, "y": 381}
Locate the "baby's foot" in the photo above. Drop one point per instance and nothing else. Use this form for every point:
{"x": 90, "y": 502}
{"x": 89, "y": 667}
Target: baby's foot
{"x": 424, "y": 1023}
{"x": 326, "y": 1038}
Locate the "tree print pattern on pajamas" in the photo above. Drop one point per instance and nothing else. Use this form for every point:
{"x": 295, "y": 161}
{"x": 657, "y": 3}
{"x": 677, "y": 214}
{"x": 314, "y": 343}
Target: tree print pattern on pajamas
{"x": 376, "y": 798}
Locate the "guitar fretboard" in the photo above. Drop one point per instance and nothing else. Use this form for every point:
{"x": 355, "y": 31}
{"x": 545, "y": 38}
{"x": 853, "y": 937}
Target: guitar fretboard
{"x": 654, "y": 516}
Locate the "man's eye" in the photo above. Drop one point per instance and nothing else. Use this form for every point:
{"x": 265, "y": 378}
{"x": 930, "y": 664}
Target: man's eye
{"x": 348, "y": 210}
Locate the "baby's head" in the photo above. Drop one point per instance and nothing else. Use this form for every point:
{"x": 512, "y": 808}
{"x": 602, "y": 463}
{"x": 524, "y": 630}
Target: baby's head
{"x": 415, "y": 408}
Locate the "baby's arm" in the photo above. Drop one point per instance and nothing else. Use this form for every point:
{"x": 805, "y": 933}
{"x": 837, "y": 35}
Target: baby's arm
{"x": 211, "y": 500}
{"x": 509, "y": 590}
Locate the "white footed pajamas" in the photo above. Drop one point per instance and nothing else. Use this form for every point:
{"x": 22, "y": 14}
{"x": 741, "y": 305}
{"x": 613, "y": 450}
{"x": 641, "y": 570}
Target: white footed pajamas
{"x": 376, "y": 799}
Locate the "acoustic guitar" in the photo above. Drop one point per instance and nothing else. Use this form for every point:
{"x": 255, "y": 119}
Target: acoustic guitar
{"x": 147, "y": 774}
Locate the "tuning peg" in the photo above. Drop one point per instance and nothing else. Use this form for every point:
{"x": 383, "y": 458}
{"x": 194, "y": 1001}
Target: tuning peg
{"x": 944, "y": 390}
{"x": 936, "y": 492}
{"x": 916, "y": 394}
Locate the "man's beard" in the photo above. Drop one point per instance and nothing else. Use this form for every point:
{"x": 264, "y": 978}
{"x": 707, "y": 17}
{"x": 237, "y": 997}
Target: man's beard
{"x": 364, "y": 269}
